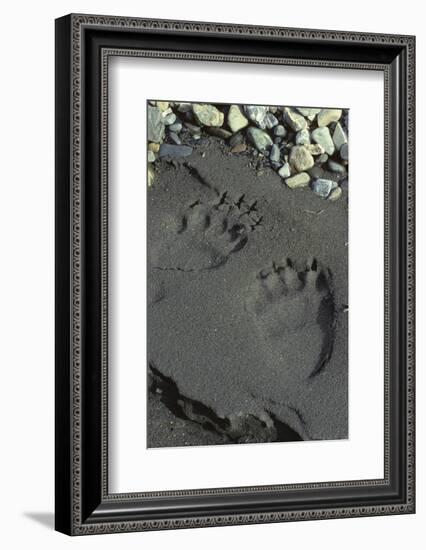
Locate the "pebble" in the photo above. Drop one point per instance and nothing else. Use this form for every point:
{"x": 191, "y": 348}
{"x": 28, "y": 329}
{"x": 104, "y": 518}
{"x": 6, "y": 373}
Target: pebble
{"x": 280, "y": 131}
{"x": 284, "y": 171}
{"x": 236, "y": 139}
{"x": 176, "y": 127}
{"x": 271, "y": 121}
{"x": 336, "y": 167}
{"x": 303, "y": 138}
{"x": 300, "y": 158}
{"x": 326, "y": 116}
{"x": 219, "y": 132}
{"x": 323, "y": 187}
{"x": 335, "y": 194}
{"x": 318, "y": 172}
{"x": 323, "y": 158}
{"x": 344, "y": 151}
{"x": 151, "y": 156}
{"x": 207, "y": 115}
{"x": 239, "y": 148}
{"x": 297, "y": 181}
{"x": 322, "y": 137}
{"x": 275, "y": 153}
{"x": 169, "y": 119}
{"x": 259, "y": 138}
{"x": 162, "y": 105}
{"x": 184, "y": 107}
{"x": 257, "y": 114}
{"x": 339, "y": 136}
{"x": 194, "y": 130}
{"x": 294, "y": 119}
{"x": 310, "y": 114}
{"x": 236, "y": 119}
{"x": 155, "y": 125}
{"x": 167, "y": 150}
{"x": 154, "y": 147}
{"x": 314, "y": 149}
{"x": 150, "y": 175}
{"x": 175, "y": 138}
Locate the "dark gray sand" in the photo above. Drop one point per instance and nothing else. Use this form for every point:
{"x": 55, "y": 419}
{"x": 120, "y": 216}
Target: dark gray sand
{"x": 247, "y": 314}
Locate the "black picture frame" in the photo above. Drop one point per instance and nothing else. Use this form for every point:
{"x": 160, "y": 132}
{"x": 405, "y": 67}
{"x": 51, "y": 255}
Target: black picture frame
{"x": 83, "y": 44}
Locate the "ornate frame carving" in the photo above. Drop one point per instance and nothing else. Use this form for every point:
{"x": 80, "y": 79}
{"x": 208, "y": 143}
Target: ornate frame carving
{"x": 84, "y": 506}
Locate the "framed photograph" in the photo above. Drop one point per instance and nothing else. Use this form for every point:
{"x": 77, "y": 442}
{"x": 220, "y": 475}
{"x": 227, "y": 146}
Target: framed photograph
{"x": 234, "y": 274}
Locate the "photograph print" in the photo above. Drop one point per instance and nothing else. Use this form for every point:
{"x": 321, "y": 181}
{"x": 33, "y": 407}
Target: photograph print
{"x": 247, "y": 222}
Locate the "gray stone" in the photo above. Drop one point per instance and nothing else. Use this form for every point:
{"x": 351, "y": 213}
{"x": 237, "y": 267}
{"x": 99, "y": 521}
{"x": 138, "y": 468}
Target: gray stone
{"x": 239, "y": 148}
{"x": 335, "y": 194}
{"x": 326, "y": 116}
{"x": 167, "y": 150}
{"x": 194, "y": 130}
{"x": 314, "y": 149}
{"x": 300, "y": 158}
{"x": 257, "y": 114}
{"x": 323, "y": 138}
{"x": 336, "y": 167}
{"x": 280, "y": 131}
{"x": 344, "y": 152}
{"x": 274, "y": 155}
{"x": 169, "y": 119}
{"x": 151, "y": 156}
{"x": 236, "y": 139}
{"x": 176, "y": 127}
{"x": 155, "y": 125}
{"x": 323, "y": 187}
{"x": 323, "y": 158}
{"x": 260, "y": 139}
{"x": 297, "y": 181}
{"x": 284, "y": 171}
{"x": 271, "y": 121}
{"x": 339, "y": 136}
{"x": 294, "y": 119}
{"x": 236, "y": 119}
{"x": 219, "y": 132}
{"x": 184, "y": 107}
{"x": 308, "y": 113}
{"x": 207, "y": 115}
{"x": 303, "y": 138}
{"x": 174, "y": 137}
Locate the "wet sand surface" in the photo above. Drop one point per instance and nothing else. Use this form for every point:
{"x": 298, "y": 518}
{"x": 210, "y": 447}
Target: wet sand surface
{"x": 247, "y": 306}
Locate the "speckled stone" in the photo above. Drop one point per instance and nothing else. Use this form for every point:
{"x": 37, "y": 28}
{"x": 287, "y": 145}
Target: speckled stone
{"x": 322, "y": 137}
{"x": 260, "y": 139}
{"x": 327, "y": 116}
{"x": 300, "y": 158}
{"x": 207, "y": 115}
{"x": 323, "y": 187}
{"x": 297, "y": 181}
{"x": 236, "y": 119}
